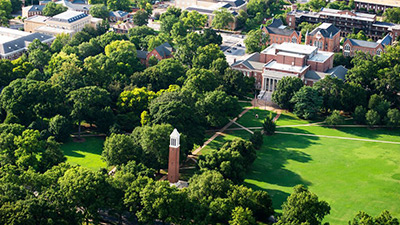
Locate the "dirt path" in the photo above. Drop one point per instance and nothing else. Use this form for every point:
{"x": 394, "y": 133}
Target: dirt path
{"x": 221, "y": 131}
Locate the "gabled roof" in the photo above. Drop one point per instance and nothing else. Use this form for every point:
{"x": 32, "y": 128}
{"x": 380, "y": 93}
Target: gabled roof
{"x": 118, "y": 14}
{"x": 338, "y": 72}
{"x": 142, "y": 54}
{"x": 387, "y": 40}
{"x": 362, "y": 43}
{"x": 236, "y": 3}
{"x": 164, "y": 50}
{"x": 285, "y": 32}
{"x": 34, "y": 8}
{"x": 276, "y": 23}
{"x": 252, "y": 62}
{"x": 22, "y": 42}
{"x": 327, "y": 30}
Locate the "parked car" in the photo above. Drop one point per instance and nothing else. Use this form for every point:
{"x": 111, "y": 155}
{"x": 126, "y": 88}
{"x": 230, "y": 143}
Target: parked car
{"x": 230, "y": 51}
{"x": 239, "y": 45}
{"x": 234, "y": 48}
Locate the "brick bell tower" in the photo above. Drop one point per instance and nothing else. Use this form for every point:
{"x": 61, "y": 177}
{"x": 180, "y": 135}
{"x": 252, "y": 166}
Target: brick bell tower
{"x": 173, "y": 163}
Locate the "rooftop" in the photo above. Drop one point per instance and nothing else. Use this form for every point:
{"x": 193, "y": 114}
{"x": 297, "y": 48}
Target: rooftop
{"x": 34, "y": 8}
{"x": 395, "y": 3}
{"x": 273, "y": 65}
{"x": 321, "y": 56}
{"x": 362, "y": 43}
{"x": 336, "y": 13}
{"x": 69, "y": 16}
{"x": 118, "y": 13}
{"x": 327, "y": 30}
{"x": 13, "y": 40}
{"x": 296, "y": 48}
{"x": 38, "y": 19}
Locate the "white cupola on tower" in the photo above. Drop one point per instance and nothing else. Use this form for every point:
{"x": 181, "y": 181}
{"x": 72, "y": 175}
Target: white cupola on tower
{"x": 174, "y": 139}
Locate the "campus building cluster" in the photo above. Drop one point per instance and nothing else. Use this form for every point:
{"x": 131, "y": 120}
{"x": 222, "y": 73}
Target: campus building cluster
{"x": 288, "y": 59}
{"x": 347, "y": 21}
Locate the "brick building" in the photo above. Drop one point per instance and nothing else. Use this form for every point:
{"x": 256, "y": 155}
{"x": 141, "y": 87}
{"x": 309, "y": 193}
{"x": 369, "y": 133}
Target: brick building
{"x": 161, "y": 52}
{"x": 32, "y": 10}
{"x": 119, "y": 15}
{"x": 326, "y": 37}
{"x": 375, "y": 5}
{"x": 351, "y": 46}
{"x": 279, "y": 33}
{"x": 347, "y": 21}
{"x": 287, "y": 59}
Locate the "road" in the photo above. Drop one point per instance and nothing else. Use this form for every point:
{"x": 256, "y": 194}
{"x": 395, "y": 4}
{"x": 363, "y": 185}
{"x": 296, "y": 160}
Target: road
{"x": 230, "y": 41}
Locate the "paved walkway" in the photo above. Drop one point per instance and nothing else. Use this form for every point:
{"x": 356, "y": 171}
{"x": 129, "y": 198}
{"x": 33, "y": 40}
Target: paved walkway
{"x": 195, "y": 152}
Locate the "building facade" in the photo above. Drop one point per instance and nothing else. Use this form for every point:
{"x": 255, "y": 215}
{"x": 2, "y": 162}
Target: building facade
{"x": 326, "y": 37}
{"x": 69, "y": 22}
{"x": 375, "y": 5}
{"x": 347, "y": 21}
{"x": 32, "y": 10}
{"x": 161, "y": 52}
{"x": 287, "y": 59}
{"x": 279, "y": 33}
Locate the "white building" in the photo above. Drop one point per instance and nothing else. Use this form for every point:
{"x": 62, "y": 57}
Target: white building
{"x": 13, "y": 43}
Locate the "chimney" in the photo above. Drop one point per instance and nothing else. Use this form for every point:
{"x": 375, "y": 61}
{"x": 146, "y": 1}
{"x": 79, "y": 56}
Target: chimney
{"x": 294, "y": 7}
{"x": 234, "y": 60}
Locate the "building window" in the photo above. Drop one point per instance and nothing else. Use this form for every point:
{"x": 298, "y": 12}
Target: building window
{"x": 294, "y": 40}
{"x": 347, "y": 47}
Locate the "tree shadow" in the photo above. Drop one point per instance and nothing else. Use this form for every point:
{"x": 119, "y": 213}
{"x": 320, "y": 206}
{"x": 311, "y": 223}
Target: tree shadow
{"x": 73, "y": 153}
{"x": 278, "y": 197}
{"x": 369, "y": 133}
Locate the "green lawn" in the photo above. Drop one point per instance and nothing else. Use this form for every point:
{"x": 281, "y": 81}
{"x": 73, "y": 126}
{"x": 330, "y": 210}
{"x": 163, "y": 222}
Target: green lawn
{"x": 87, "y": 154}
{"x": 350, "y": 175}
{"x": 220, "y": 140}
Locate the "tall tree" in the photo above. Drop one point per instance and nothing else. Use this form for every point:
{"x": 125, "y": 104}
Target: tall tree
{"x": 120, "y": 149}
{"x": 255, "y": 41}
{"x": 302, "y": 206}
{"x": 307, "y": 102}
{"x": 51, "y": 9}
{"x": 194, "y": 20}
{"x": 87, "y": 103}
{"x": 285, "y": 89}
{"x": 140, "y": 18}
{"x": 99, "y": 11}
{"x": 222, "y": 19}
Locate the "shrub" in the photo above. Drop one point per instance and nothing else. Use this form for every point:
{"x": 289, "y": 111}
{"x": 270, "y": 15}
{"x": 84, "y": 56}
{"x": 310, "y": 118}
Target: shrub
{"x": 335, "y": 118}
{"x": 257, "y": 139}
{"x": 359, "y": 115}
{"x": 393, "y": 118}
{"x": 269, "y": 125}
{"x": 372, "y": 117}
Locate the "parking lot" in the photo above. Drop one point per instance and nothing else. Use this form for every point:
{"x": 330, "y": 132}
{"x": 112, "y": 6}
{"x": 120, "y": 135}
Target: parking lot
{"x": 233, "y": 47}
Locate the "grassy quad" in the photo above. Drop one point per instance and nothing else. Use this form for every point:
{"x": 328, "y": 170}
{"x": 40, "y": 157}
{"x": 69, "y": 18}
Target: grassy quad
{"x": 350, "y": 175}
{"x": 87, "y": 154}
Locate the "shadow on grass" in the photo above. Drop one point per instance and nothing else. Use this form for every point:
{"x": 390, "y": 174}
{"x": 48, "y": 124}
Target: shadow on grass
{"x": 250, "y": 120}
{"x": 92, "y": 145}
{"x": 278, "y": 197}
{"x": 370, "y": 133}
{"x": 277, "y": 151}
